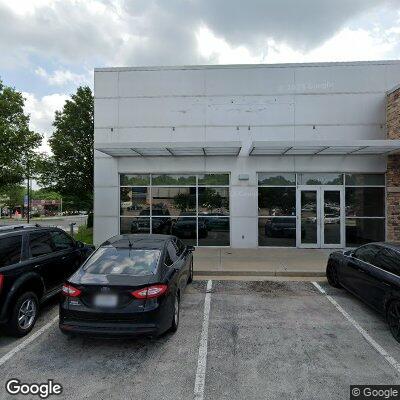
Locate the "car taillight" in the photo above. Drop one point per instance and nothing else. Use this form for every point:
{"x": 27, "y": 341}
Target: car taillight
{"x": 150, "y": 292}
{"x": 70, "y": 291}
{"x": 1, "y": 281}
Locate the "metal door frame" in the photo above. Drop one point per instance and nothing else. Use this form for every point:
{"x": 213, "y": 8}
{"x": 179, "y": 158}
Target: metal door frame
{"x": 320, "y": 190}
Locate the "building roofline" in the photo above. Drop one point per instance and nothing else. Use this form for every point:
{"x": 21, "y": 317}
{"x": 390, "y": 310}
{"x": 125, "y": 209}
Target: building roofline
{"x": 238, "y": 66}
{"x": 390, "y": 91}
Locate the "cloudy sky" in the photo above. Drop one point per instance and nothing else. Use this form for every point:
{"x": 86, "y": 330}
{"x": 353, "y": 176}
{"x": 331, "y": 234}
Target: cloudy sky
{"x": 49, "y": 47}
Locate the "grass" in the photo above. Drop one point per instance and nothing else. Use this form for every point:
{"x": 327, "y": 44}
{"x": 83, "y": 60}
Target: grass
{"x": 85, "y": 234}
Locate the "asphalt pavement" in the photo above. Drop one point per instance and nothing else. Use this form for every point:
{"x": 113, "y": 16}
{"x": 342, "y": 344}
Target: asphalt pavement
{"x": 257, "y": 340}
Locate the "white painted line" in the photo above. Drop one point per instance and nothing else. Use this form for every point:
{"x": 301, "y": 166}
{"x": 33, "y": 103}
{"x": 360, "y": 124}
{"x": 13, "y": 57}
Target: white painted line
{"x": 392, "y": 361}
{"x": 202, "y": 359}
{"x": 27, "y": 341}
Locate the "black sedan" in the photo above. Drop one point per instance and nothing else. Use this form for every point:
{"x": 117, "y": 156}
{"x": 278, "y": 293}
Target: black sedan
{"x": 131, "y": 285}
{"x": 372, "y": 273}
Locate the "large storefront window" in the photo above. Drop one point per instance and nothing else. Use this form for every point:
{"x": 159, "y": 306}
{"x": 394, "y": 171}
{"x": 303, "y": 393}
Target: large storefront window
{"x": 193, "y": 207}
{"x": 277, "y": 209}
{"x": 359, "y": 219}
{"x": 365, "y": 208}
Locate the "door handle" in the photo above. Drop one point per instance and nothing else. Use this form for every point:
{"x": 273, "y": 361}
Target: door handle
{"x": 63, "y": 258}
{"x": 36, "y": 266}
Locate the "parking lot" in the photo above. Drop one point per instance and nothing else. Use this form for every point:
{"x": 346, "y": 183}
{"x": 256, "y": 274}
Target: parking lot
{"x": 259, "y": 340}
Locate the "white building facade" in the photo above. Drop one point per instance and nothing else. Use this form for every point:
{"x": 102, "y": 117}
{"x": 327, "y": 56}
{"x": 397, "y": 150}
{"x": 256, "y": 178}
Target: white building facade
{"x": 290, "y": 155}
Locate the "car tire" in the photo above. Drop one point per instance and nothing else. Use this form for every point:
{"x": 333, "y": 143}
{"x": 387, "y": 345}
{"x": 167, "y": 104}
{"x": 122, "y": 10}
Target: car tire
{"x": 24, "y": 314}
{"x": 175, "y": 315}
{"x": 190, "y": 279}
{"x": 393, "y": 319}
{"x": 331, "y": 275}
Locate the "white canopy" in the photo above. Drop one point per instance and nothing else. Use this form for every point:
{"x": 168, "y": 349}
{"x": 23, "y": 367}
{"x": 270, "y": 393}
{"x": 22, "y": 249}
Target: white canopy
{"x": 170, "y": 149}
{"x": 324, "y": 147}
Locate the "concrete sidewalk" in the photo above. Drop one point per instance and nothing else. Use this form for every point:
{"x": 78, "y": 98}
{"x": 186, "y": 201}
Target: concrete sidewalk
{"x": 272, "y": 262}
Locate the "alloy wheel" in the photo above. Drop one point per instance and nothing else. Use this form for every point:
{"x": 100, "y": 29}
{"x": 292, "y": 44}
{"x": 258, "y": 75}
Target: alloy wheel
{"x": 27, "y": 314}
{"x": 393, "y": 318}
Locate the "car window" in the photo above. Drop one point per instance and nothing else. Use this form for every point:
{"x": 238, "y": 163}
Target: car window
{"x": 171, "y": 255}
{"x": 61, "y": 241}
{"x": 181, "y": 247}
{"x": 389, "y": 260}
{"x": 40, "y": 243}
{"x": 367, "y": 253}
{"x": 123, "y": 261}
{"x": 10, "y": 250}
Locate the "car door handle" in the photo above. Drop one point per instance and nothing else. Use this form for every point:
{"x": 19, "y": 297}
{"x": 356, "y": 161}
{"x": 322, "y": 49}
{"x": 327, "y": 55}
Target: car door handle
{"x": 63, "y": 258}
{"x": 36, "y": 266}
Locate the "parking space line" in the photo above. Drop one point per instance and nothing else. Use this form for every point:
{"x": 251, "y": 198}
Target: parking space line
{"x": 27, "y": 341}
{"x": 392, "y": 361}
{"x": 202, "y": 358}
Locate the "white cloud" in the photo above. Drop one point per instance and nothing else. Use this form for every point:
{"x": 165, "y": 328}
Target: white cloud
{"x": 62, "y": 77}
{"x": 42, "y": 112}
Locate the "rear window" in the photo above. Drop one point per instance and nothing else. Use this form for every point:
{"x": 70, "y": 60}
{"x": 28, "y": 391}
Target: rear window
{"x": 10, "y": 250}
{"x": 123, "y": 261}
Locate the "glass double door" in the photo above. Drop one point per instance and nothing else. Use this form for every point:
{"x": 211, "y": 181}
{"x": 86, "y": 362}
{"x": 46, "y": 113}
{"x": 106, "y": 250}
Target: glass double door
{"x": 320, "y": 216}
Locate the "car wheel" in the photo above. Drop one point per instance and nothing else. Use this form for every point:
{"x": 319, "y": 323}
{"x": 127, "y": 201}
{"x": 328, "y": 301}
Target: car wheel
{"x": 331, "y": 275}
{"x": 24, "y": 314}
{"x": 175, "y": 316}
{"x": 190, "y": 279}
{"x": 393, "y": 319}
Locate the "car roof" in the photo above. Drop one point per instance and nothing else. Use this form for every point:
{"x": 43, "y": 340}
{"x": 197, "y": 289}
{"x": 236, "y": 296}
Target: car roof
{"x": 138, "y": 241}
{"x": 389, "y": 245}
{"x": 7, "y": 229}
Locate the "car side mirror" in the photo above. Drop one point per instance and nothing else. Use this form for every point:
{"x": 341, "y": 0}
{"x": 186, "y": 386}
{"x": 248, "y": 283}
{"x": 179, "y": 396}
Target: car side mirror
{"x": 190, "y": 248}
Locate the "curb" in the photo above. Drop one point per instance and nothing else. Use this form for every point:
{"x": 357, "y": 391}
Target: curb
{"x": 292, "y": 274}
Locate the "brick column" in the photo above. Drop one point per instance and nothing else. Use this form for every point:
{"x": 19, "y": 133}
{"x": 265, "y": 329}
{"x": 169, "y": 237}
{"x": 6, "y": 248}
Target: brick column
{"x": 393, "y": 168}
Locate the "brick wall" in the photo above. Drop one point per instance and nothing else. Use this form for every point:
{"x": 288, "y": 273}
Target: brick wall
{"x": 393, "y": 168}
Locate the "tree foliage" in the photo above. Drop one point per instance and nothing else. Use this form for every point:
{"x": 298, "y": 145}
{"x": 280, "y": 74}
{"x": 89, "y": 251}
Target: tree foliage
{"x": 18, "y": 142}
{"x": 69, "y": 171}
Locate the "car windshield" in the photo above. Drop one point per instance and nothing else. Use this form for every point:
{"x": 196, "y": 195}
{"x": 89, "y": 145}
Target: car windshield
{"x": 123, "y": 261}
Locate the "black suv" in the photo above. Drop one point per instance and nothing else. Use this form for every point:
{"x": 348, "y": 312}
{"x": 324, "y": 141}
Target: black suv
{"x": 34, "y": 263}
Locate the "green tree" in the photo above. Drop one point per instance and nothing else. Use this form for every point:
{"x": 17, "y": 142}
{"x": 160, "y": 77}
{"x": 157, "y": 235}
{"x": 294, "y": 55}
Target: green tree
{"x": 18, "y": 142}
{"x": 69, "y": 170}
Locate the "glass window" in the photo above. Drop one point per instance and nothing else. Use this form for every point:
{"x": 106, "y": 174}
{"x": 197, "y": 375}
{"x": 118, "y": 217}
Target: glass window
{"x": 365, "y": 202}
{"x": 277, "y": 231}
{"x": 214, "y": 201}
{"x": 123, "y": 261}
{"x": 135, "y": 179}
{"x": 365, "y": 180}
{"x": 276, "y": 179}
{"x": 173, "y": 200}
{"x": 181, "y": 247}
{"x": 367, "y": 253}
{"x": 214, "y": 179}
{"x": 320, "y": 179}
{"x": 161, "y": 225}
{"x": 135, "y": 200}
{"x": 61, "y": 241}
{"x": 214, "y": 231}
{"x": 139, "y": 224}
{"x": 171, "y": 250}
{"x": 185, "y": 228}
{"x": 389, "y": 260}
{"x": 40, "y": 243}
{"x": 364, "y": 230}
{"x": 276, "y": 201}
{"x": 173, "y": 180}
{"x": 10, "y": 250}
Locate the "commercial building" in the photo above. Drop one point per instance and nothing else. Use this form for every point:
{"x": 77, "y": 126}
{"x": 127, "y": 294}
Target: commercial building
{"x": 288, "y": 155}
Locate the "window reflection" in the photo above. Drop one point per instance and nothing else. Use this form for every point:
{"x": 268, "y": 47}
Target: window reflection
{"x": 364, "y": 230}
{"x": 365, "y": 202}
{"x": 134, "y": 200}
{"x": 277, "y": 231}
{"x": 213, "y": 201}
{"x": 216, "y": 231}
{"x": 139, "y": 224}
{"x": 174, "y": 200}
{"x": 276, "y": 201}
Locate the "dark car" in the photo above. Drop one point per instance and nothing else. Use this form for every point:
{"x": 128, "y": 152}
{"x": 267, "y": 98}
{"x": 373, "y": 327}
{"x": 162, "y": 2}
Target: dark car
{"x": 34, "y": 263}
{"x": 372, "y": 273}
{"x": 131, "y": 285}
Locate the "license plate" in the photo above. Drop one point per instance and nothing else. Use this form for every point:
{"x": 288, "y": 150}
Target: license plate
{"x": 106, "y": 300}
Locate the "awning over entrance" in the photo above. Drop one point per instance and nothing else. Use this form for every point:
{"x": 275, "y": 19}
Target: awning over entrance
{"x": 324, "y": 147}
{"x": 170, "y": 149}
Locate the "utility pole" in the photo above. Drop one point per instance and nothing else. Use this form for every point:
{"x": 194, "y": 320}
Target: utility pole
{"x": 28, "y": 193}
